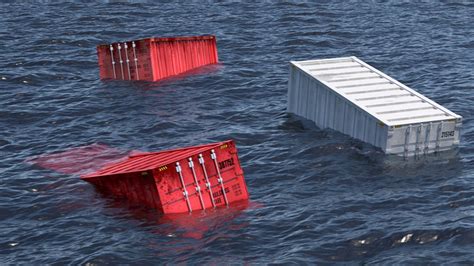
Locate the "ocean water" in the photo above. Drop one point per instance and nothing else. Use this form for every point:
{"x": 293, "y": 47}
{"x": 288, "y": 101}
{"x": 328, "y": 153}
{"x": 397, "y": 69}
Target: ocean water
{"x": 317, "y": 196}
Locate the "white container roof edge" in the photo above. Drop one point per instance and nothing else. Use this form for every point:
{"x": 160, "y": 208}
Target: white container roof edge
{"x": 298, "y": 64}
{"x": 301, "y": 66}
{"x": 426, "y": 99}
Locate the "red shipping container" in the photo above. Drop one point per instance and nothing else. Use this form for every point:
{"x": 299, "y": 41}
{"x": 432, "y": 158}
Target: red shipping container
{"x": 153, "y": 59}
{"x": 176, "y": 181}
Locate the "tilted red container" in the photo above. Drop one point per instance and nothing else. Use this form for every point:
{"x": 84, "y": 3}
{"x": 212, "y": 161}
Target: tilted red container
{"x": 153, "y": 59}
{"x": 180, "y": 180}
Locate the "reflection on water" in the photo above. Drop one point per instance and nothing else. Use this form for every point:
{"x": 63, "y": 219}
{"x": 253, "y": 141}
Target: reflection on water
{"x": 79, "y": 160}
{"x": 327, "y": 198}
{"x": 197, "y": 224}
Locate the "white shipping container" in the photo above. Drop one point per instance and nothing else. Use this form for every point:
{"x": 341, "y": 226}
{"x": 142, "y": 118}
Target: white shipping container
{"x": 352, "y": 97}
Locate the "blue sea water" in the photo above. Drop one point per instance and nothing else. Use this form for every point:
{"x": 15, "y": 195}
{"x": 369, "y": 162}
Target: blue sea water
{"x": 317, "y": 196}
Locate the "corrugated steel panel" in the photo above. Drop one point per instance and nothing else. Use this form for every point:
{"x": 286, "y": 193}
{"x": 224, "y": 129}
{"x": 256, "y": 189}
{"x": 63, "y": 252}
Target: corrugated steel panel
{"x": 350, "y": 96}
{"x": 179, "y": 180}
{"x": 149, "y": 160}
{"x": 153, "y": 59}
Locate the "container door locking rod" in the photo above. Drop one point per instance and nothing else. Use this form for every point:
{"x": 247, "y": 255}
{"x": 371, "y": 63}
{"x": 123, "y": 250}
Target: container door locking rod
{"x": 198, "y": 188}
{"x": 113, "y": 61}
{"x": 418, "y": 140}
{"x": 120, "y": 58}
{"x": 438, "y": 136}
{"x": 127, "y": 60}
{"x": 427, "y": 139}
{"x": 208, "y": 184}
{"x": 185, "y": 192}
{"x": 135, "y": 59}
{"x": 219, "y": 179}
{"x": 407, "y": 142}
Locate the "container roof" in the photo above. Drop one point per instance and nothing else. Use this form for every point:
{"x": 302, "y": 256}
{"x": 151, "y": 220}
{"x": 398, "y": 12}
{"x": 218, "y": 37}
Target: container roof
{"x": 376, "y": 93}
{"x": 151, "y": 160}
{"x": 166, "y": 39}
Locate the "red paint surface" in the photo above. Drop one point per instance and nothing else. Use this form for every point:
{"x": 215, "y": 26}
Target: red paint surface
{"x": 151, "y": 179}
{"x": 157, "y": 58}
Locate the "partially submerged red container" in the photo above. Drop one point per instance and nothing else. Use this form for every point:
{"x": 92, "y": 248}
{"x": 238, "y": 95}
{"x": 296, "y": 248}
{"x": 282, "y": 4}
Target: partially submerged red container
{"x": 176, "y": 181}
{"x": 153, "y": 59}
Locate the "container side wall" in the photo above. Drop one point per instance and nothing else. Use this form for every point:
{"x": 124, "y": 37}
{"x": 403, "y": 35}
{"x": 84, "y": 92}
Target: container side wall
{"x": 171, "y": 57}
{"x": 294, "y": 86}
{"x": 138, "y": 188}
{"x": 309, "y": 98}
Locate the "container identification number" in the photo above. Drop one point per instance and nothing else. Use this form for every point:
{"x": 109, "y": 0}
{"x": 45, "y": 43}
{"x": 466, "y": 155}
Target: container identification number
{"x": 226, "y": 163}
{"x": 219, "y": 193}
{"x": 447, "y": 134}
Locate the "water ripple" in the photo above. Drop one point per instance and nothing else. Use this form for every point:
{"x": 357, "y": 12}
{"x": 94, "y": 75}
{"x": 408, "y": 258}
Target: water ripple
{"x": 316, "y": 195}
